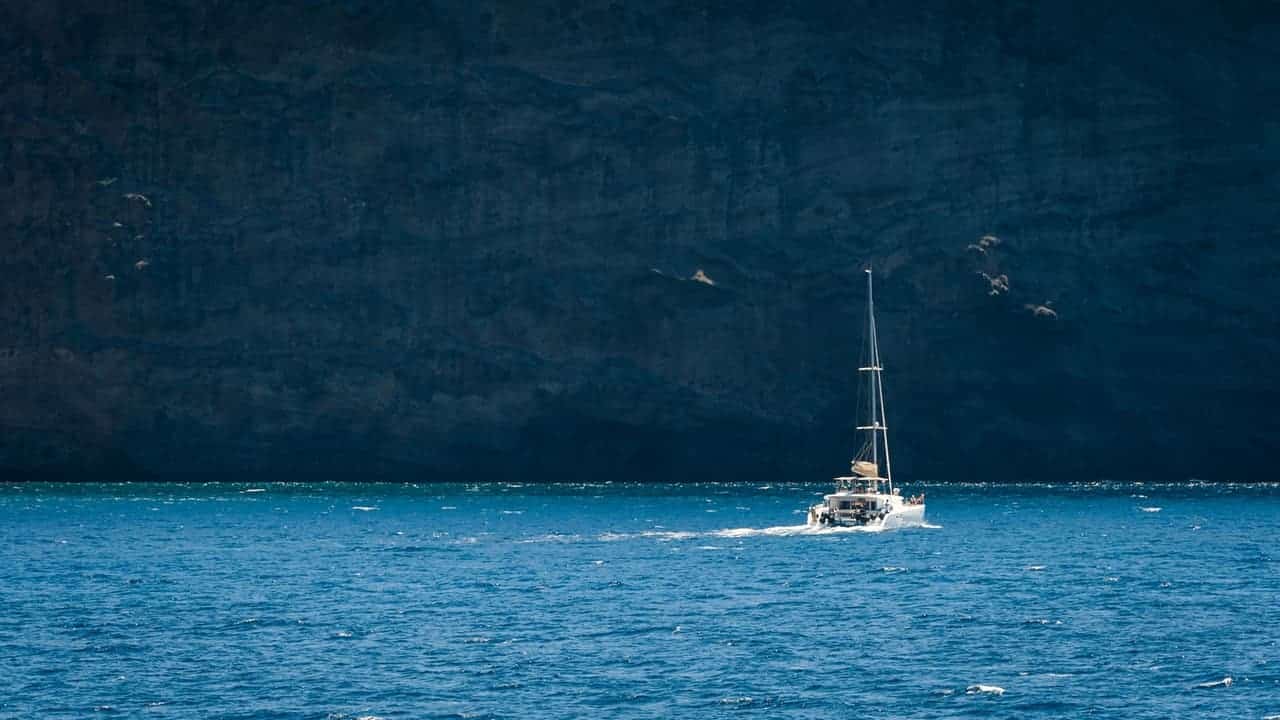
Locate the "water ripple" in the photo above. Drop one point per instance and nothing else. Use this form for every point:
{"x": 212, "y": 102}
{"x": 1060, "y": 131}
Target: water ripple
{"x": 347, "y": 601}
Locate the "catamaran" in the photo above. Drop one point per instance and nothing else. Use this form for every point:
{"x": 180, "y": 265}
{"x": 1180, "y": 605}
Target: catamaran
{"x": 865, "y": 497}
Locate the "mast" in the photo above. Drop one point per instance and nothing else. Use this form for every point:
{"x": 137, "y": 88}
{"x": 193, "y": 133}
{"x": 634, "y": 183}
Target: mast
{"x": 879, "y": 423}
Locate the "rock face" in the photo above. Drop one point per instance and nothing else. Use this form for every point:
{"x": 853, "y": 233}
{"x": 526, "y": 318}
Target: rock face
{"x": 594, "y": 240}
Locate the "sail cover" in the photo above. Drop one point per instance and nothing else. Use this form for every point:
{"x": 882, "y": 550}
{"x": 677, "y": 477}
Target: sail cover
{"x": 865, "y": 468}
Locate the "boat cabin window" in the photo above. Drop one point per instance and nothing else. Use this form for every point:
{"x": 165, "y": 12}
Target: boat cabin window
{"x": 845, "y": 504}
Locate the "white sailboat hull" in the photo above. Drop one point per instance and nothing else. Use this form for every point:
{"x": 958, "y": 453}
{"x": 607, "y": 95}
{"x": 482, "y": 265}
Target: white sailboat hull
{"x": 908, "y": 516}
{"x": 870, "y": 510}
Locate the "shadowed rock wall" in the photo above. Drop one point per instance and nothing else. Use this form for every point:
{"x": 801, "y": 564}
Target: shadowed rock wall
{"x": 455, "y": 239}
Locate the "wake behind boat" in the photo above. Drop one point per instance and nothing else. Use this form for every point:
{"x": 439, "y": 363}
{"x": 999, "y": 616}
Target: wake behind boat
{"x": 864, "y": 497}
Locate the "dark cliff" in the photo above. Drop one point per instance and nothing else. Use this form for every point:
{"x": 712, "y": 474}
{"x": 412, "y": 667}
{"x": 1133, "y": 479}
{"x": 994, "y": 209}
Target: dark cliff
{"x": 456, "y": 239}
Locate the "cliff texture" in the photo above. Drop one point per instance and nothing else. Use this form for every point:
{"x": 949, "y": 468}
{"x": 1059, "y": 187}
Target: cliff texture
{"x": 444, "y": 240}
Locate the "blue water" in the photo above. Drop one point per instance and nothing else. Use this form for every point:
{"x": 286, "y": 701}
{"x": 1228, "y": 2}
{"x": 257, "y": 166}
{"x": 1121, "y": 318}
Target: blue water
{"x": 346, "y": 601}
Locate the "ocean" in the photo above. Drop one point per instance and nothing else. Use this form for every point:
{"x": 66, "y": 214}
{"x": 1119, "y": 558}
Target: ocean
{"x": 348, "y": 600}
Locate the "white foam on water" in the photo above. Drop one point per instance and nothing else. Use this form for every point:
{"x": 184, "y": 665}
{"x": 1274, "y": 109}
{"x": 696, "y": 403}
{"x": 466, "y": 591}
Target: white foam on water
{"x": 1035, "y": 568}
{"x": 984, "y": 690}
{"x": 1224, "y": 682}
{"x": 661, "y": 535}
{"x": 794, "y": 530}
{"x": 776, "y": 531}
{"x": 364, "y": 508}
{"x": 1150, "y": 509}
{"x": 254, "y": 490}
{"x": 745, "y": 532}
{"x": 550, "y": 538}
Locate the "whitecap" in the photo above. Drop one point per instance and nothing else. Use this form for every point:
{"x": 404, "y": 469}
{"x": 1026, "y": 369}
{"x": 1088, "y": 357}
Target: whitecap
{"x": 343, "y": 634}
{"x": 1150, "y": 509}
{"x": 550, "y": 538}
{"x": 448, "y": 507}
{"x": 364, "y": 508}
{"x": 984, "y": 690}
{"x": 1035, "y": 568}
{"x": 667, "y": 535}
{"x": 1224, "y": 682}
{"x": 254, "y": 490}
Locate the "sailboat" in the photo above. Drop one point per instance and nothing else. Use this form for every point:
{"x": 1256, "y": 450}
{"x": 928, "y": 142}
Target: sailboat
{"x": 865, "y": 497}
